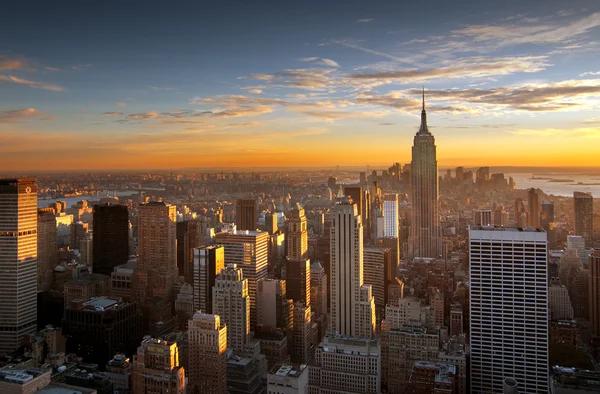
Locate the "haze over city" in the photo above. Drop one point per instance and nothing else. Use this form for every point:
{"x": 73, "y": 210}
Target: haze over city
{"x": 134, "y": 85}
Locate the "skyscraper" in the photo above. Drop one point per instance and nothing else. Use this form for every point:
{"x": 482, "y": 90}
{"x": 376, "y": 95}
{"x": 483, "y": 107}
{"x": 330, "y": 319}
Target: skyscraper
{"x": 584, "y": 216}
{"x": 509, "y": 308}
{"x": 377, "y": 272}
{"x": 352, "y": 303}
{"x": 533, "y": 206}
{"x": 274, "y": 309}
{"x": 595, "y": 293}
{"x": 156, "y": 368}
{"x": 297, "y": 236}
{"x": 18, "y": 261}
{"x": 547, "y": 215}
{"x": 425, "y": 236}
{"x": 390, "y": 215}
{"x": 156, "y": 271}
{"x": 232, "y": 303}
{"x": 111, "y": 237}
{"x": 47, "y": 248}
{"x": 209, "y": 261}
{"x": 249, "y": 250}
{"x": 245, "y": 214}
{"x": 207, "y": 371}
{"x": 187, "y": 239}
{"x": 298, "y": 280}
{"x": 520, "y": 219}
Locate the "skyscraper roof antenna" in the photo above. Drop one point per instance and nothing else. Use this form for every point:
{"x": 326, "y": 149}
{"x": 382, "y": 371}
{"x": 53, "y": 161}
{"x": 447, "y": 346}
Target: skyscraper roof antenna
{"x": 423, "y": 97}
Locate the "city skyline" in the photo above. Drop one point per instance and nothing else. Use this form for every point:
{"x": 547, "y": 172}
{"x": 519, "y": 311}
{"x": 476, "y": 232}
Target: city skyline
{"x": 195, "y": 85}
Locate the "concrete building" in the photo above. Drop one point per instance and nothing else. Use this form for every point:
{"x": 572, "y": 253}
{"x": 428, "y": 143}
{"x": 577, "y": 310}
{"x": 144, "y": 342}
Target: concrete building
{"x": 18, "y": 259}
{"x": 207, "y": 337}
{"x": 533, "y": 208}
{"x": 297, "y": 275}
{"x": 346, "y": 365}
{"x": 274, "y": 309}
{"x": 509, "y": 334}
{"x": 301, "y": 349}
{"x": 583, "y": 204}
{"x": 16, "y": 380}
{"x": 98, "y": 328}
{"x": 391, "y": 220}
{"x": 378, "y": 273}
{"x": 577, "y": 243}
{"x": 456, "y": 319}
{"x": 184, "y": 305}
{"x": 352, "y": 302}
{"x": 122, "y": 281}
{"x": 47, "y": 248}
{"x": 232, "y": 303}
{"x": 245, "y": 214}
{"x": 432, "y": 378}
{"x": 454, "y": 352}
{"x": 560, "y": 302}
{"x": 119, "y": 371}
{"x": 249, "y": 250}
{"x": 209, "y": 261}
{"x": 156, "y": 368}
{"x": 594, "y": 293}
{"x": 425, "y": 237}
{"x": 247, "y": 372}
{"x": 483, "y": 217}
{"x": 111, "y": 237}
{"x": 297, "y": 235}
{"x": 287, "y": 379}
{"x": 188, "y": 238}
{"x": 156, "y": 271}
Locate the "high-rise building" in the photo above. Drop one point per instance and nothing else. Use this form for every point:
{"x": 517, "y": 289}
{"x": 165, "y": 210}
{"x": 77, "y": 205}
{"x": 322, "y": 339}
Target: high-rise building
{"x": 249, "y": 250}
{"x": 520, "y": 219}
{"x": 271, "y": 223}
{"x": 47, "y": 248}
{"x": 357, "y": 196}
{"x": 232, "y": 303}
{"x": 483, "y": 217}
{"x": 156, "y": 368}
{"x": 560, "y": 302}
{"x": 346, "y": 365}
{"x": 432, "y": 378}
{"x": 156, "y": 271}
{"x": 111, "y": 237}
{"x": 456, "y": 319}
{"x": 207, "y": 337}
{"x": 245, "y": 214}
{"x": 98, "y": 328}
{"x": 425, "y": 236}
{"x": 584, "y": 216}
{"x": 547, "y": 215}
{"x": 274, "y": 309}
{"x": 297, "y": 236}
{"x": 188, "y": 238}
{"x": 209, "y": 261}
{"x": 318, "y": 296}
{"x": 533, "y": 208}
{"x": 301, "y": 348}
{"x": 577, "y": 243}
{"x": 378, "y": 273}
{"x": 18, "y": 261}
{"x": 594, "y": 294}
{"x": 501, "y": 217}
{"x": 390, "y": 215}
{"x": 509, "y": 308}
{"x": 119, "y": 371}
{"x": 297, "y": 275}
{"x": 352, "y": 302}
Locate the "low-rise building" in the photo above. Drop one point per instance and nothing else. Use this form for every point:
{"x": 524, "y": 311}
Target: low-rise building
{"x": 287, "y": 379}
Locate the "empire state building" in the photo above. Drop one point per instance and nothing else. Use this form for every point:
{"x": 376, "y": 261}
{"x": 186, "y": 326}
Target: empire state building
{"x": 425, "y": 237}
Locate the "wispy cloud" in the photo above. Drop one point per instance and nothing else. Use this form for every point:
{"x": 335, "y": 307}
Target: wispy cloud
{"x": 121, "y": 104}
{"x": 399, "y": 59}
{"x": 579, "y": 132}
{"x": 590, "y": 74}
{"x": 246, "y": 124}
{"x": 31, "y": 84}
{"x": 255, "y": 91}
{"x": 321, "y": 61}
{"x": 158, "y": 89}
{"x": 366, "y": 20}
{"x": 14, "y": 63}
{"x": 113, "y": 113}
{"x": 81, "y": 67}
{"x": 143, "y": 116}
{"x": 20, "y": 115}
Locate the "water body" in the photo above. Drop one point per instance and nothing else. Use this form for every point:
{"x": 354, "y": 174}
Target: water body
{"x": 525, "y": 181}
{"x": 43, "y": 203}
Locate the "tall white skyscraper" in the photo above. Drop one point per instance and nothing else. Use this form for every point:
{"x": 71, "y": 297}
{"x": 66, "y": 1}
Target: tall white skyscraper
{"x": 509, "y": 308}
{"x": 352, "y": 303}
{"x": 390, "y": 215}
{"x": 18, "y": 261}
{"x": 425, "y": 235}
{"x": 232, "y": 303}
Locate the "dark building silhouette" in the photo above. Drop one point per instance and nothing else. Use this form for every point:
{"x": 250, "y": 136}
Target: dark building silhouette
{"x": 584, "y": 216}
{"x": 187, "y": 240}
{"x": 111, "y": 237}
{"x": 98, "y": 328}
{"x": 533, "y": 205}
{"x": 208, "y": 262}
{"x": 245, "y": 214}
{"x": 298, "y": 280}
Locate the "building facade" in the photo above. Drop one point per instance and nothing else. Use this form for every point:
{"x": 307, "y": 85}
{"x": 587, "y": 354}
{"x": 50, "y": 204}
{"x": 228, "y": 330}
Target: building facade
{"x": 209, "y": 261}
{"x": 584, "y": 216}
{"x": 156, "y": 368}
{"x": 207, "y": 337}
{"x": 111, "y": 237}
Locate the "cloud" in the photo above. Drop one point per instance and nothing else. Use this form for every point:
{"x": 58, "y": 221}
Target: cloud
{"x": 20, "y": 115}
{"x": 308, "y": 59}
{"x": 514, "y": 34}
{"x": 113, "y": 113}
{"x": 13, "y": 63}
{"x": 592, "y": 121}
{"x": 590, "y": 74}
{"x": 246, "y": 124}
{"x": 81, "y": 67}
{"x": 387, "y": 124}
{"x": 255, "y": 91}
{"x": 330, "y": 63}
{"x": 473, "y": 67}
{"x": 309, "y": 79}
{"x": 51, "y": 69}
{"x": 121, "y": 104}
{"x": 158, "y": 89}
{"x": 580, "y": 132}
{"x": 398, "y": 59}
{"x": 143, "y": 116}
{"x": 366, "y": 20}
{"x": 321, "y": 61}
{"x": 31, "y": 84}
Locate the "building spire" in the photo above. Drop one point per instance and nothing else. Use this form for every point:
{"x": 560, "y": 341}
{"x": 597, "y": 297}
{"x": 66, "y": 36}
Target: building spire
{"x": 423, "y": 129}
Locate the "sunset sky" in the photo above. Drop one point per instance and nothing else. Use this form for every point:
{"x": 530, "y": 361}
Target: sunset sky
{"x": 157, "y": 84}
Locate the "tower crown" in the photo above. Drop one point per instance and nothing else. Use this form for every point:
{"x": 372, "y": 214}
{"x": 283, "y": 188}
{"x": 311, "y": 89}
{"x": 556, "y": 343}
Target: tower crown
{"x": 423, "y": 130}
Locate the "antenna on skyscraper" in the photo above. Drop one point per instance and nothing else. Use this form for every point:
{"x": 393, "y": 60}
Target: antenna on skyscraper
{"x": 423, "y": 97}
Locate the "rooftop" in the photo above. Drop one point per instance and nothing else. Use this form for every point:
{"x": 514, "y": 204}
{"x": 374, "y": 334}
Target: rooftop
{"x": 11, "y": 374}
{"x": 510, "y": 228}
{"x": 283, "y": 370}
